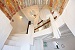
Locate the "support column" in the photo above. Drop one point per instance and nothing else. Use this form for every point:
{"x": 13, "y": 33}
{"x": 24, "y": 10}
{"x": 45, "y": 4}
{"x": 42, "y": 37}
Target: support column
{"x": 56, "y": 31}
{"x": 30, "y": 33}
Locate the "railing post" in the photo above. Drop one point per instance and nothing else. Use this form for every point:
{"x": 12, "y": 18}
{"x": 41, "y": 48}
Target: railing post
{"x": 28, "y": 26}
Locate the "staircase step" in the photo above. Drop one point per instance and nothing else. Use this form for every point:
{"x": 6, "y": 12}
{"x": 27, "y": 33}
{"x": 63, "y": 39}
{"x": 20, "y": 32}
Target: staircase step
{"x": 13, "y": 43}
{"x": 7, "y": 47}
{"x": 13, "y": 38}
{"x": 19, "y": 35}
{"x": 16, "y": 38}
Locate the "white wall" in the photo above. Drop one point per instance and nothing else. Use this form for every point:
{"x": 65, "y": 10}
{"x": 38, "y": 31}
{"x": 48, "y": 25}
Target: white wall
{"x": 31, "y": 33}
{"x": 26, "y": 46}
{"x": 69, "y": 15}
{"x": 59, "y": 23}
{"x": 43, "y": 32}
{"x": 38, "y": 45}
{"x": 69, "y": 18}
{"x": 19, "y": 25}
{"x": 68, "y": 42}
{"x": 5, "y": 28}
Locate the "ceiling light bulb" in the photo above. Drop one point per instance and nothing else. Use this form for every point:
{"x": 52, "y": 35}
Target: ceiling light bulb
{"x": 21, "y": 17}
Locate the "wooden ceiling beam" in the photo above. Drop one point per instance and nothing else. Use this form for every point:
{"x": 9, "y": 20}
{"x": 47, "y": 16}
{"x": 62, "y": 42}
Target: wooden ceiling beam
{"x": 4, "y": 10}
{"x": 10, "y": 7}
{"x": 15, "y": 4}
{"x": 44, "y": 23}
{"x": 42, "y": 20}
{"x": 51, "y": 3}
{"x": 62, "y": 7}
{"x": 55, "y": 4}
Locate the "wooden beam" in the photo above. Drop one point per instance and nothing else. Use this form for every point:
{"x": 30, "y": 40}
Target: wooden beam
{"x": 15, "y": 4}
{"x": 40, "y": 22}
{"x": 4, "y": 10}
{"x": 55, "y": 4}
{"x": 10, "y": 7}
{"x": 51, "y": 3}
{"x": 44, "y": 23}
{"x": 62, "y": 6}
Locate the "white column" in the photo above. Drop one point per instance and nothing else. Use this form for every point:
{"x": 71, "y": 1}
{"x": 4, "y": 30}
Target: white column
{"x": 30, "y": 33}
{"x": 42, "y": 47}
{"x": 56, "y": 31}
{"x": 44, "y": 15}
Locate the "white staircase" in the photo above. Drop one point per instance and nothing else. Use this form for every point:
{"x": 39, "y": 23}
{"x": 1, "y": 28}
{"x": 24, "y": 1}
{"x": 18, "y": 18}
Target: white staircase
{"x": 20, "y": 41}
{"x": 14, "y": 42}
{"x": 7, "y": 47}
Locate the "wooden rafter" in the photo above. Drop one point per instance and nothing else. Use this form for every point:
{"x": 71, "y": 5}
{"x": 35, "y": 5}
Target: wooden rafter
{"x": 40, "y": 22}
{"x": 62, "y": 6}
{"x": 44, "y": 23}
{"x": 10, "y": 7}
{"x": 15, "y": 4}
{"x": 55, "y": 4}
{"x": 51, "y": 3}
{"x": 3, "y": 8}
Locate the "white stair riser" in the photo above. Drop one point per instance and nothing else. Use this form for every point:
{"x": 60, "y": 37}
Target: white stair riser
{"x": 16, "y": 38}
{"x": 17, "y": 42}
{"x": 13, "y": 43}
{"x": 6, "y": 47}
{"x": 20, "y": 35}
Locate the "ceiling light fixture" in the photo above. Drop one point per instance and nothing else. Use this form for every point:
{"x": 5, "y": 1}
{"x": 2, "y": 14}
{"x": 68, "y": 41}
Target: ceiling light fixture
{"x": 21, "y": 17}
{"x": 32, "y": 13}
